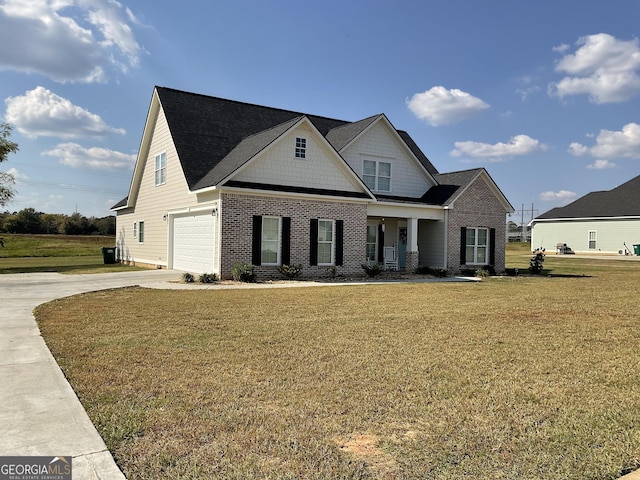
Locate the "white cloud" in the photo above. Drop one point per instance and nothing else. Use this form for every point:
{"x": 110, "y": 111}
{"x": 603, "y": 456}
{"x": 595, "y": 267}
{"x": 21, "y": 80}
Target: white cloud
{"x": 16, "y": 174}
{"x": 518, "y": 145}
{"x": 440, "y": 106}
{"x": 612, "y": 144}
{"x": 561, "y": 48}
{"x": 562, "y": 195}
{"x": 603, "y": 67}
{"x": 67, "y": 40}
{"x": 601, "y": 165}
{"x": 577, "y": 149}
{"x": 77, "y": 156}
{"x": 40, "y": 112}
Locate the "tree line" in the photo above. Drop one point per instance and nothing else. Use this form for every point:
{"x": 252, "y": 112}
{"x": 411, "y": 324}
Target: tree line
{"x": 31, "y": 221}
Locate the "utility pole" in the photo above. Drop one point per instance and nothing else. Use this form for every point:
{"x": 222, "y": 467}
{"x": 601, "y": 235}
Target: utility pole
{"x": 523, "y": 228}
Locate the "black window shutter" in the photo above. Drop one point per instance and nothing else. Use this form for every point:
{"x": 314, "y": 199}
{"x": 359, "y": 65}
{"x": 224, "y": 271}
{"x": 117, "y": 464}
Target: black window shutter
{"x": 380, "y": 244}
{"x": 463, "y": 245}
{"x": 492, "y": 246}
{"x": 256, "y": 241}
{"x": 313, "y": 242}
{"x": 286, "y": 241}
{"x": 339, "y": 242}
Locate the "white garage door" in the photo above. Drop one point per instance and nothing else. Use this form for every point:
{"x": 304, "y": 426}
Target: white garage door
{"x": 193, "y": 239}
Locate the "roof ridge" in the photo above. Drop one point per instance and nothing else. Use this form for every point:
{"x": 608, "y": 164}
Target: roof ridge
{"x": 240, "y": 102}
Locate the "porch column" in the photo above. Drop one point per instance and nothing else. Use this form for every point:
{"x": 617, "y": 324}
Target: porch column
{"x": 412, "y": 256}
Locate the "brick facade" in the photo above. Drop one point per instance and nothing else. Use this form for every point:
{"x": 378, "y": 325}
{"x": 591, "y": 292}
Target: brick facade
{"x": 236, "y": 218}
{"x": 476, "y": 207}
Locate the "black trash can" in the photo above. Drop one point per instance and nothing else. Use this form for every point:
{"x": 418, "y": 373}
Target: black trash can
{"x": 109, "y": 255}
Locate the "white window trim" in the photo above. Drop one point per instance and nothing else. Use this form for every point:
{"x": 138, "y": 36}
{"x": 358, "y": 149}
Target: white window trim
{"x": 300, "y": 151}
{"x": 332, "y": 242}
{"x": 135, "y": 230}
{"x": 160, "y": 169}
{"x": 592, "y": 236}
{"x": 474, "y": 260}
{"x": 279, "y": 241}
{"x": 376, "y": 176}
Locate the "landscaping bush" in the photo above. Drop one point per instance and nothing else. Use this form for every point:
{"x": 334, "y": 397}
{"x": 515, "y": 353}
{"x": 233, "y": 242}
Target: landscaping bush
{"x": 372, "y": 270}
{"x": 535, "y": 265}
{"x": 208, "y": 278}
{"x": 481, "y": 273}
{"x": 243, "y": 272}
{"x": 290, "y": 271}
{"x": 436, "y": 272}
{"x": 187, "y": 277}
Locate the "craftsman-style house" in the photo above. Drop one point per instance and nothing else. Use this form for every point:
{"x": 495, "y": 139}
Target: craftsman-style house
{"x": 219, "y": 181}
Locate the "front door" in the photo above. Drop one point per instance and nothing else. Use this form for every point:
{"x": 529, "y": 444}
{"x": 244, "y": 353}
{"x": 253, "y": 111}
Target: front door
{"x": 402, "y": 247}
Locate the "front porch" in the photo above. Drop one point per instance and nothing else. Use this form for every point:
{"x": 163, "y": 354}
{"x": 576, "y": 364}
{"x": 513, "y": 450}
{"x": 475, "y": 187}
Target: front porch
{"x": 404, "y": 244}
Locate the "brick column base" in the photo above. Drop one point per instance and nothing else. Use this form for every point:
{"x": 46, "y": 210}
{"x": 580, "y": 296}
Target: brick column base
{"x": 412, "y": 261}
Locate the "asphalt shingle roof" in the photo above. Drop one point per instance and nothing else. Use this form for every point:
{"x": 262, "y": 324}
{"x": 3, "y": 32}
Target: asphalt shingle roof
{"x": 622, "y": 201}
{"x": 214, "y": 136}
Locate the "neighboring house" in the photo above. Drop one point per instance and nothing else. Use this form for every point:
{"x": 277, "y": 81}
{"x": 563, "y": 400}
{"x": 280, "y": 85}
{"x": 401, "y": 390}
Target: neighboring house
{"x": 603, "y": 222}
{"x": 218, "y": 182}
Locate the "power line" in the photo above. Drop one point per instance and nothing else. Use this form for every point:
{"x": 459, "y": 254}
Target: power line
{"x": 78, "y": 188}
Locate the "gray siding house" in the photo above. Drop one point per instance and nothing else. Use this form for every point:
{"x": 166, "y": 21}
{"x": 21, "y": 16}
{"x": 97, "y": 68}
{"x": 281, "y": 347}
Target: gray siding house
{"x": 600, "y": 222}
{"x": 219, "y": 181}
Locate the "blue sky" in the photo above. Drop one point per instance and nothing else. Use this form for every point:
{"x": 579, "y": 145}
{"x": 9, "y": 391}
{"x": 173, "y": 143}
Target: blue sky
{"x": 545, "y": 95}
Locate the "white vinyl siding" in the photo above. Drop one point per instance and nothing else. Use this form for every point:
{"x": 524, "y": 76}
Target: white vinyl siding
{"x": 152, "y": 204}
{"x": 380, "y": 143}
{"x": 321, "y": 169}
{"x": 611, "y": 234}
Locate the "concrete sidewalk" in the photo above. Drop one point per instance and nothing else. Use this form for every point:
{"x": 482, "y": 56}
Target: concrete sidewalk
{"x": 41, "y": 414}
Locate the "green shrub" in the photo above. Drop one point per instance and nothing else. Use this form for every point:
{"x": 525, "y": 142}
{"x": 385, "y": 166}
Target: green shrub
{"x": 372, "y": 270}
{"x": 481, "y": 273}
{"x": 435, "y": 271}
{"x": 208, "y": 278}
{"x": 290, "y": 271}
{"x": 243, "y": 272}
{"x": 535, "y": 265}
{"x": 187, "y": 277}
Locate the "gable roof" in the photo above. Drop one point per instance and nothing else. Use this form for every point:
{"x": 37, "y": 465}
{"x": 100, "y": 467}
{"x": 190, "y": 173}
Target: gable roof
{"x": 454, "y": 184}
{"x": 214, "y": 136}
{"x": 622, "y": 201}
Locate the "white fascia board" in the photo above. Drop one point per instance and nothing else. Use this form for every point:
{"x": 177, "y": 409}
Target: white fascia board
{"x": 580, "y": 219}
{"x": 403, "y": 210}
{"x": 145, "y": 143}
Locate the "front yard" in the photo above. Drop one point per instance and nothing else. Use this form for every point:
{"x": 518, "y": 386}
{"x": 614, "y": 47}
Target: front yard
{"x": 515, "y": 377}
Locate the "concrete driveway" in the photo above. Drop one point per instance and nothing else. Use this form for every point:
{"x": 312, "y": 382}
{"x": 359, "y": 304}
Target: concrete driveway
{"x": 41, "y": 415}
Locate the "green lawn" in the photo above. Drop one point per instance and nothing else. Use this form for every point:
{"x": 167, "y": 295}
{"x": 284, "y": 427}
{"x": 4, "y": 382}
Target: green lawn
{"x": 513, "y": 377}
{"x": 56, "y": 253}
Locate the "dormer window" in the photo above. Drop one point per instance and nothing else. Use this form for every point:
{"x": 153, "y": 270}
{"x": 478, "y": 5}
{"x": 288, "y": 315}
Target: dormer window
{"x": 301, "y": 147}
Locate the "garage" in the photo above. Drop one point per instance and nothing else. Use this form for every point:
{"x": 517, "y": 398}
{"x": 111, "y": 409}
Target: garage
{"x": 193, "y": 243}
